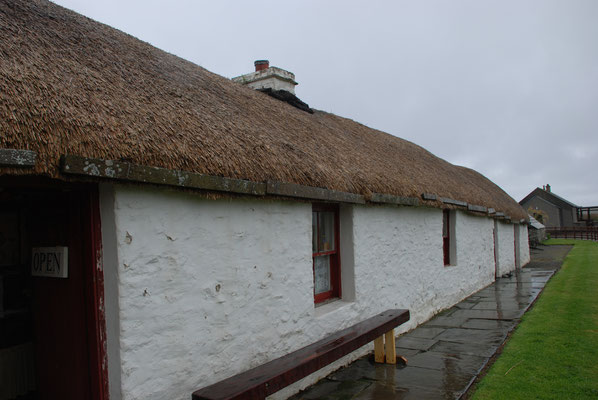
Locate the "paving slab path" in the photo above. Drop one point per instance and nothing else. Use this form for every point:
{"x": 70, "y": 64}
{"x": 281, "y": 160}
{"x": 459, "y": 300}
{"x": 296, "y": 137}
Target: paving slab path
{"x": 446, "y": 354}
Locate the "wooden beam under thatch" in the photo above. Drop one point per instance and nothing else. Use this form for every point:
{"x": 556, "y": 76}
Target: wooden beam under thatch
{"x": 308, "y": 192}
{"x": 390, "y": 199}
{"x": 476, "y": 208}
{"x": 453, "y": 202}
{"x": 126, "y": 171}
{"x": 17, "y": 158}
{"x": 429, "y": 196}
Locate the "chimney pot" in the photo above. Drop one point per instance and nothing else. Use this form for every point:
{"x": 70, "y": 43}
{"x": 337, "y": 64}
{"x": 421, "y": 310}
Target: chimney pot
{"x": 548, "y": 188}
{"x": 261, "y": 65}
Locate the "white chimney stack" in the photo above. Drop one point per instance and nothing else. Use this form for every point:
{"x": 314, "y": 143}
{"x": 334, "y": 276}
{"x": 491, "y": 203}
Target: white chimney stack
{"x": 267, "y": 77}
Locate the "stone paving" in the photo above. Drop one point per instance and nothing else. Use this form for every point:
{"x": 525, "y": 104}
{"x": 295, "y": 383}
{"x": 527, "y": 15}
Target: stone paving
{"x": 446, "y": 353}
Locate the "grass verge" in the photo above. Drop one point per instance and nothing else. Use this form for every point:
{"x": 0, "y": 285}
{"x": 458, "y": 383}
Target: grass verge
{"x": 553, "y": 353}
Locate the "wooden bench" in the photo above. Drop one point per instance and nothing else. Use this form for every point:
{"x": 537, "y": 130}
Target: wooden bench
{"x": 262, "y": 381}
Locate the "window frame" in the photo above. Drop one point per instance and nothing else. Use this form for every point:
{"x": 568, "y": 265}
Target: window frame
{"x": 335, "y": 254}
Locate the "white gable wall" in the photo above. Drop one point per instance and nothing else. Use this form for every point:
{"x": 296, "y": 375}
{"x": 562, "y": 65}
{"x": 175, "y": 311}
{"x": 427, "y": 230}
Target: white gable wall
{"x": 524, "y": 256}
{"x": 506, "y": 249}
{"x": 475, "y": 256}
{"x": 209, "y": 288}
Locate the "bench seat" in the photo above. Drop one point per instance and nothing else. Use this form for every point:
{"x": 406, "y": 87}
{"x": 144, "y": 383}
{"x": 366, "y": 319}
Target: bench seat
{"x": 262, "y": 381}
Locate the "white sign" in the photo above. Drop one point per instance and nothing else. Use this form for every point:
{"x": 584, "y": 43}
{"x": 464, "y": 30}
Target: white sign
{"x": 52, "y": 262}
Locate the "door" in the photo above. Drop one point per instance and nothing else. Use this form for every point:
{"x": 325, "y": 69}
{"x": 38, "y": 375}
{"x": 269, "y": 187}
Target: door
{"x": 58, "y": 304}
{"x": 52, "y": 329}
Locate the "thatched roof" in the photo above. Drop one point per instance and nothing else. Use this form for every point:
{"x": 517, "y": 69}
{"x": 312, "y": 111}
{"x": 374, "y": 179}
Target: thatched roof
{"x": 70, "y": 85}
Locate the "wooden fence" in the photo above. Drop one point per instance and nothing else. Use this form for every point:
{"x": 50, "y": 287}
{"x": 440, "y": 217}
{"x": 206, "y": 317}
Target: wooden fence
{"x": 587, "y": 213}
{"x": 581, "y": 232}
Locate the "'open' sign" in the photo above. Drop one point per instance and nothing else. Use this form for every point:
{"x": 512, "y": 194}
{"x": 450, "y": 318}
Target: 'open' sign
{"x": 50, "y": 261}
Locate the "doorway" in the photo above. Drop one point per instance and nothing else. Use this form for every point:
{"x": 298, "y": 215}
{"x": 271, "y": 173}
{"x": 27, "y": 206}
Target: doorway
{"x": 52, "y": 327}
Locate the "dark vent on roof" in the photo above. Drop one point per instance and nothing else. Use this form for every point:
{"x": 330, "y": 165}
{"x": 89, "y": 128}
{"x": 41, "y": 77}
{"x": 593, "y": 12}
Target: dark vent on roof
{"x": 288, "y": 97}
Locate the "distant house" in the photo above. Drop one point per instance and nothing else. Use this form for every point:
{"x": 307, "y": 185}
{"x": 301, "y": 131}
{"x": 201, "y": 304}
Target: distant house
{"x": 550, "y": 209}
{"x": 164, "y": 227}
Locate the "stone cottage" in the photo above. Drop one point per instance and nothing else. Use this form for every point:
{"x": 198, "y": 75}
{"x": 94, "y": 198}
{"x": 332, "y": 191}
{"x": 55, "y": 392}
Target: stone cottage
{"x": 550, "y": 209}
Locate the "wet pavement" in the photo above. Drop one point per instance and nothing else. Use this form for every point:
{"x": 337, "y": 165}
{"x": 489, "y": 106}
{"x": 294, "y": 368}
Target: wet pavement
{"x": 446, "y": 354}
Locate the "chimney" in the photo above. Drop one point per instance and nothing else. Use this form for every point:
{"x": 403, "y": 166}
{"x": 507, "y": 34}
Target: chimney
{"x": 261, "y": 65}
{"x": 266, "y": 78}
{"x": 548, "y": 188}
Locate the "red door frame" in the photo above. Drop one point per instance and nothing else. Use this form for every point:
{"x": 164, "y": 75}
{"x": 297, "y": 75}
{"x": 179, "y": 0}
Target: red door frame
{"x": 94, "y": 285}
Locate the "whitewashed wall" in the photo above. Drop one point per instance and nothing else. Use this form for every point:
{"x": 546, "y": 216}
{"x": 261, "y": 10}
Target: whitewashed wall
{"x": 524, "y": 255}
{"x": 505, "y": 249}
{"x": 399, "y": 259}
{"x": 209, "y": 288}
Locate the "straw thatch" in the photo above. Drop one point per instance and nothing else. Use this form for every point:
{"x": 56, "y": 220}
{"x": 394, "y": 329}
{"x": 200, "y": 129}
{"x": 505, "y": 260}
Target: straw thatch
{"x": 69, "y": 85}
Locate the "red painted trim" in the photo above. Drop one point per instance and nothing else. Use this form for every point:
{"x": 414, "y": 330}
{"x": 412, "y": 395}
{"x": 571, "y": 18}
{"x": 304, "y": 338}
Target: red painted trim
{"x": 446, "y": 240}
{"x": 324, "y": 253}
{"x": 96, "y": 321}
{"x": 335, "y": 257}
{"x": 320, "y": 297}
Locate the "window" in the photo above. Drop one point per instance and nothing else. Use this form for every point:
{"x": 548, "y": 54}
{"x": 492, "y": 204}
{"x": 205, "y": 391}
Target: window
{"x": 448, "y": 239}
{"x": 325, "y": 252}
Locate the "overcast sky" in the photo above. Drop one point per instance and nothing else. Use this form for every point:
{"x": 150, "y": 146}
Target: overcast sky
{"x": 508, "y": 88}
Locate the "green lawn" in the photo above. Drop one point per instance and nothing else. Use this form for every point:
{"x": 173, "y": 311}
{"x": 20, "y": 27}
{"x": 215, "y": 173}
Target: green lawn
{"x": 553, "y": 353}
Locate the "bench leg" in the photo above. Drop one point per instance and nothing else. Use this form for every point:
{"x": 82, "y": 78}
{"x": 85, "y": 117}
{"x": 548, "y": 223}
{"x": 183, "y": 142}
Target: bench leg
{"x": 391, "y": 351}
{"x": 379, "y": 349}
{"x": 384, "y": 348}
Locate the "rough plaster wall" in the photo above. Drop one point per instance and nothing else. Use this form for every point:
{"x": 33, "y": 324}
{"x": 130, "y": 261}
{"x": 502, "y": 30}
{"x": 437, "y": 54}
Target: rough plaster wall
{"x": 398, "y": 256}
{"x": 208, "y": 289}
{"x": 496, "y": 249}
{"x": 475, "y": 256}
{"x": 506, "y": 250}
{"x": 524, "y": 255}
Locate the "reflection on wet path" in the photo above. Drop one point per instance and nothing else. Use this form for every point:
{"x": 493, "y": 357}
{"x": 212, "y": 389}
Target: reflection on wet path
{"x": 446, "y": 353}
